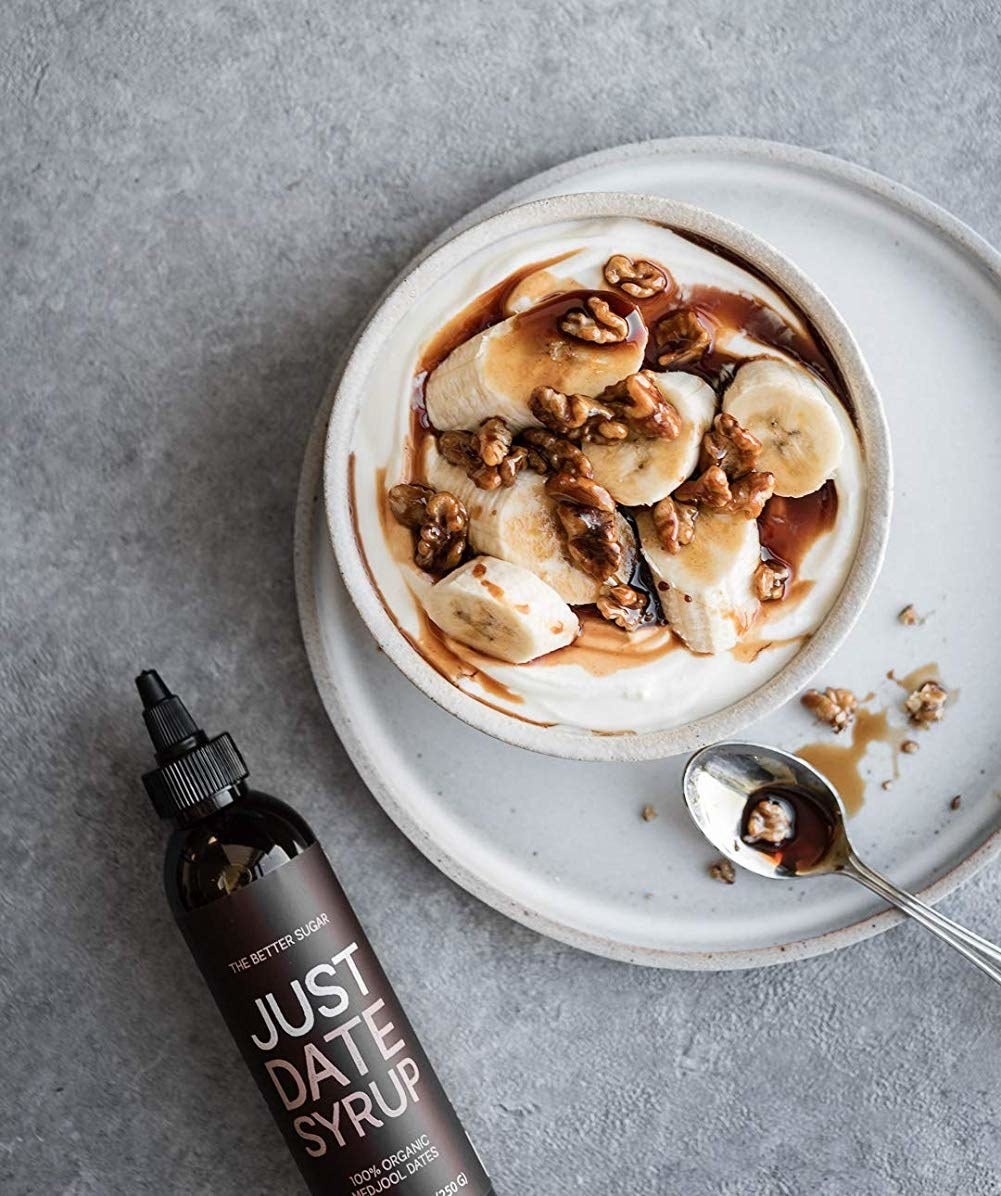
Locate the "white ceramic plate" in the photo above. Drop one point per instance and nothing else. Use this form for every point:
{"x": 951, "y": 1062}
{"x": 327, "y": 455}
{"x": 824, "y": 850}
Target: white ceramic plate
{"x": 560, "y": 845}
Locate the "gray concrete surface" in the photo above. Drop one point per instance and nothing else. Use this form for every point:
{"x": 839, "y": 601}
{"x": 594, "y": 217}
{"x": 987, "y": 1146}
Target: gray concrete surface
{"x": 197, "y": 202}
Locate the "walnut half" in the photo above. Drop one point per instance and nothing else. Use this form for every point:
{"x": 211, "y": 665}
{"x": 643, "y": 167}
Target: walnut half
{"x": 834, "y": 706}
{"x": 731, "y": 447}
{"x": 587, "y": 514}
{"x": 729, "y": 482}
{"x": 575, "y": 416}
{"x": 771, "y": 578}
{"x": 440, "y": 521}
{"x": 408, "y": 503}
{"x": 623, "y": 605}
{"x": 486, "y": 455}
{"x": 493, "y": 441}
{"x": 769, "y": 822}
{"x": 681, "y": 337}
{"x": 647, "y": 410}
{"x": 674, "y": 523}
{"x": 595, "y": 322}
{"x": 549, "y": 453}
{"x": 639, "y": 278}
{"x": 558, "y": 412}
{"x": 580, "y": 492}
{"x": 723, "y": 871}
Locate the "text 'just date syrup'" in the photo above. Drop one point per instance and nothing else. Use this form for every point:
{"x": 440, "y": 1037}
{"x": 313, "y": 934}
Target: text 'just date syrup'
{"x": 295, "y": 977}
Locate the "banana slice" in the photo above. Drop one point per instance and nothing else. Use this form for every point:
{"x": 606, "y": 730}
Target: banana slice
{"x": 641, "y": 472}
{"x": 791, "y": 414}
{"x": 496, "y": 371}
{"x": 518, "y": 524}
{"x": 502, "y": 610}
{"x": 580, "y": 271}
{"x": 710, "y": 600}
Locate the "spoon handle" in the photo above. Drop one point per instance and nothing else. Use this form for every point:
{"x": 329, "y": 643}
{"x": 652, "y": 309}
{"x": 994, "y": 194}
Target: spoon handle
{"x": 981, "y": 953}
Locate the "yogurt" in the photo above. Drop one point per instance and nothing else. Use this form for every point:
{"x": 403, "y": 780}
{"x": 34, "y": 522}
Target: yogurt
{"x": 608, "y": 682}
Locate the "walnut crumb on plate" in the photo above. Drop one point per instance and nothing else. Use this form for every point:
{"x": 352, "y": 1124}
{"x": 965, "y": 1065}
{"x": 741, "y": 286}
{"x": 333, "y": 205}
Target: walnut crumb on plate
{"x": 835, "y": 707}
{"x": 909, "y": 616}
{"x": 926, "y": 704}
{"x": 956, "y": 802}
{"x": 648, "y": 813}
{"x": 723, "y": 871}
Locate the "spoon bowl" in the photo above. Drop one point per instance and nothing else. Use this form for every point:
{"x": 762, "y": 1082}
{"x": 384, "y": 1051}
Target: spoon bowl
{"x": 718, "y": 783}
{"x": 724, "y": 784}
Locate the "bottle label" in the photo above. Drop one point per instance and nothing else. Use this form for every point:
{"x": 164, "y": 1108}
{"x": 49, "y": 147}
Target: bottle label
{"x": 326, "y": 1039}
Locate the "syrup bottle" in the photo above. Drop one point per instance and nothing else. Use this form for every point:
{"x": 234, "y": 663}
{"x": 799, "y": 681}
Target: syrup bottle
{"x": 295, "y": 978}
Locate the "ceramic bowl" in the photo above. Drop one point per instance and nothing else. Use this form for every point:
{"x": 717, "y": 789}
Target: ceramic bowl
{"x": 353, "y": 459}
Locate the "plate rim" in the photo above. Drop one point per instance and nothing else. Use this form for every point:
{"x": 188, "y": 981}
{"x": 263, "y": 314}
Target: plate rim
{"x": 309, "y": 500}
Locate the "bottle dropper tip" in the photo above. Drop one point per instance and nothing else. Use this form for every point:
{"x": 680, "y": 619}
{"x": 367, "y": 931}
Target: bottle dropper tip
{"x": 151, "y": 688}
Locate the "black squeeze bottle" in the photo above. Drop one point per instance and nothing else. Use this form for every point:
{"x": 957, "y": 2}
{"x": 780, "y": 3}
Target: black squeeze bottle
{"x": 295, "y": 977}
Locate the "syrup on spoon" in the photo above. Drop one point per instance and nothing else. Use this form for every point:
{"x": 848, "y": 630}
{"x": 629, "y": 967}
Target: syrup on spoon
{"x": 772, "y": 813}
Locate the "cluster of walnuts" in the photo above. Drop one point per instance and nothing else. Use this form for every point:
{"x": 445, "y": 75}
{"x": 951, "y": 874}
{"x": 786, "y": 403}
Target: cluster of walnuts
{"x": 727, "y": 483}
{"x": 632, "y": 408}
{"x": 680, "y": 337}
{"x": 440, "y": 523}
{"x": 493, "y": 455}
{"x": 924, "y": 706}
{"x": 727, "y": 480}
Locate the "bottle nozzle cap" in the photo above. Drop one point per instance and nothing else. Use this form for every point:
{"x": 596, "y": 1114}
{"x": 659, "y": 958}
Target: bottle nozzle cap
{"x": 166, "y": 717}
{"x": 192, "y": 766}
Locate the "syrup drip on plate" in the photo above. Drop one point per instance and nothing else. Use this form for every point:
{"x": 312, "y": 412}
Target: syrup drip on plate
{"x": 841, "y": 763}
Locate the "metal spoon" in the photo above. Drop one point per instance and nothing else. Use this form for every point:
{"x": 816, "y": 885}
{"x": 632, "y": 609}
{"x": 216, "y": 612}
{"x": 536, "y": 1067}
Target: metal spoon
{"x": 720, "y": 779}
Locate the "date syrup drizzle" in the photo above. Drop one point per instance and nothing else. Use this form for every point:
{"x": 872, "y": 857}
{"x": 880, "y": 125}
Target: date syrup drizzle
{"x": 641, "y": 579}
{"x": 741, "y": 312}
{"x": 789, "y": 527}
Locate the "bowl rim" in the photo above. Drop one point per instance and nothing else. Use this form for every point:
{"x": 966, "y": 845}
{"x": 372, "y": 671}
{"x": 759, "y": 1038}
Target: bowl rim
{"x": 571, "y": 743}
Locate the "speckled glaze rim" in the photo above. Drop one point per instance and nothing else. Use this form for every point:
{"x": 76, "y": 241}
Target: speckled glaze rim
{"x": 353, "y": 392}
{"x": 337, "y": 703}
